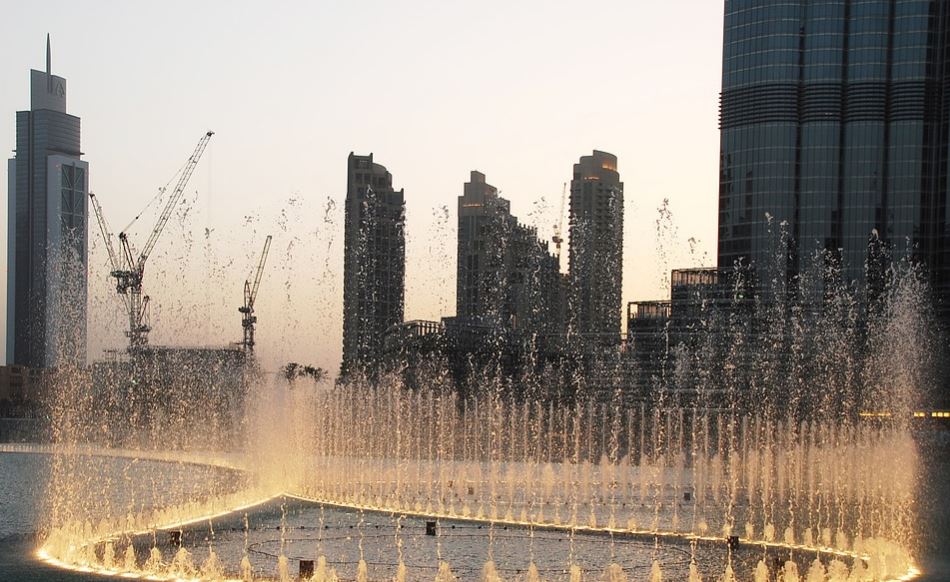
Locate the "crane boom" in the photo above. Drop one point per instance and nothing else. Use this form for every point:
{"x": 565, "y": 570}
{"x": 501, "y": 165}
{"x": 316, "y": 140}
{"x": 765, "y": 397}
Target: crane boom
{"x": 106, "y": 233}
{"x": 260, "y": 271}
{"x": 128, "y": 271}
{"x": 176, "y": 195}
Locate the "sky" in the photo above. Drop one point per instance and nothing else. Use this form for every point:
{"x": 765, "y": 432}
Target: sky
{"x": 434, "y": 89}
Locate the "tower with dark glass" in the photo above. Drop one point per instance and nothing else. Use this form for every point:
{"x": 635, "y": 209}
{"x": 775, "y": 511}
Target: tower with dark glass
{"x": 834, "y": 136}
{"x": 374, "y": 262}
{"x": 596, "y": 249}
{"x": 47, "y": 245}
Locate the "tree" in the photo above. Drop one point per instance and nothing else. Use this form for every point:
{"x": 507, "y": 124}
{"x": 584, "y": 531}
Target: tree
{"x": 293, "y": 370}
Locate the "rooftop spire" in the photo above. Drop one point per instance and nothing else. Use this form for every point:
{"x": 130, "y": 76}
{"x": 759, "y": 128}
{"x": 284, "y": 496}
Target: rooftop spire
{"x": 49, "y": 72}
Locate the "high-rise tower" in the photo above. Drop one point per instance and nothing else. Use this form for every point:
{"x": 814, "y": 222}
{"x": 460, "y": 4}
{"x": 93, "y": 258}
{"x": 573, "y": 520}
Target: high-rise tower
{"x": 484, "y": 229}
{"x": 47, "y": 230}
{"x": 374, "y": 262}
{"x": 506, "y": 276}
{"x": 834, "y": 136}
{"x": 596, "y": 248}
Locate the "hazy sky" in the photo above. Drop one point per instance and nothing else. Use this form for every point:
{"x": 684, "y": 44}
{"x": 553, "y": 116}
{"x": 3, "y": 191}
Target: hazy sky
{"x": 518, "y": 90}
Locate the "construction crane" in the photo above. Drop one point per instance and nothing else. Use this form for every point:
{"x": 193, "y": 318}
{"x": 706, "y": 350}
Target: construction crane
{"x": 557, "y": 239}
{"x": 250, "y": 295}
{"x": 129, "y": 270}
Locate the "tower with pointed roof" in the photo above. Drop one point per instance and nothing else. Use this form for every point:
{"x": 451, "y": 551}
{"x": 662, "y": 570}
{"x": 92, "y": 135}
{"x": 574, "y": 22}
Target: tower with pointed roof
{"x": 47, "y": 197}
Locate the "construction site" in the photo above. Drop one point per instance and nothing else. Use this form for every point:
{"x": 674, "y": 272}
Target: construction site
{"x": 185, "y": 392}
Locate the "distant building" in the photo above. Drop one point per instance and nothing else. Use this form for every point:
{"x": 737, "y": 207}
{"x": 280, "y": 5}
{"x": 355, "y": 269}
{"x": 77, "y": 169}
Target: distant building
{"x": 374, "y": 262}
{"x": 694, "y": 294}
{"x": 596, "y": 248}
{"x": 185, "y": 394}
{"x": 648, "y": 343}
{"x": 510, "y": 301}
{"x": 47, "y": 230}
{"x": 484, "y": 229}
{"x": 506, "y": 277}
{"x": 659, "y": 332}
{"x": 21, "y": 390}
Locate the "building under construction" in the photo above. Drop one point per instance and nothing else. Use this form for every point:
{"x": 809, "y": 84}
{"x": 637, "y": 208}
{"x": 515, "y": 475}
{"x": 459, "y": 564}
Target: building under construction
{"x": 191, "y": 395}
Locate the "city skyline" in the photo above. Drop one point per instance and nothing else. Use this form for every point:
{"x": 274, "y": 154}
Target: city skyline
{"x": 509, "y": 142}
{"x": 534, "y": 291}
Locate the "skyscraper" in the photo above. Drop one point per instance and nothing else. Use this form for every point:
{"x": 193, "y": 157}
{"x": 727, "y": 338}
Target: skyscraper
{"x": 47, "y": 245}
{"x": 596, "y": 248}
{"x": 484, "y": 225}
{"x": 506, "y": 276}
{"x": 833, "y": 130}
{"x": 374, "y": 262}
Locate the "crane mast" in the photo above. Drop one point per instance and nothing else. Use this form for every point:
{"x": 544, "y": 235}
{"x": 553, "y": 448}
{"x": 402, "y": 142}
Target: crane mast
{"x": 558, "y": 238}
{"x": 128, "y": 270}
{"x": 250, "y": 296}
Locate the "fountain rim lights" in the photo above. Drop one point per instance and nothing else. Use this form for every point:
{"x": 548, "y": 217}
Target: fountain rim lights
{"x": 43, "y": 555}
{"x": 912, "y": 572}
{"x": 217, "y": 460}
{"x": 197, "y": 458}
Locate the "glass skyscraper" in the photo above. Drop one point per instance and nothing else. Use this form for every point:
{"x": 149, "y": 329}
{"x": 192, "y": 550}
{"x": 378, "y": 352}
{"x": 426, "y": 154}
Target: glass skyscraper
{"x": 834, "y": 129}
{"x": 47, "y": 244}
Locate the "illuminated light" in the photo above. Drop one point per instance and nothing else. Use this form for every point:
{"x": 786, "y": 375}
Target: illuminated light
{"x": 472, "y": 205}
{"x": 911, "y": 573}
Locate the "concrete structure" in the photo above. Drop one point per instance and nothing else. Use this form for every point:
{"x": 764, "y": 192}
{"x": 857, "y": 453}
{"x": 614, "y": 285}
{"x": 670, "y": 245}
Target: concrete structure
{"x": 596, "y": 248}
{"x": 19, "y": 385}
{"x": 47, "y": 230}
{"x": 484, "y": 225}
{"x": 188, "y": 395}
{"x": 648, "y": 344}
{"x": 506, "y": 276}
{"x": 688, "y": 325}
{"x": 374, "y": 262}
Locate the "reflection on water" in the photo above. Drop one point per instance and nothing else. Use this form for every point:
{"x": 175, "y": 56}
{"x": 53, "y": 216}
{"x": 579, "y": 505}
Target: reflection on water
{"x": 22, "y": 484}
{"x": 122, "y": 481}
{"x": 935, "y": 513}
{"x": 306, "y": 531}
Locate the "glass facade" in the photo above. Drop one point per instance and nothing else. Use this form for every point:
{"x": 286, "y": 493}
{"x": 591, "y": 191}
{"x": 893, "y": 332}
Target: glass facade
{"x": 834, "y": 127}
{"x": 73, "y": 209}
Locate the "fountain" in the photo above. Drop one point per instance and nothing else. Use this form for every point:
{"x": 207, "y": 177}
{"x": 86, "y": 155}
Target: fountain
{"x": 739, "y": 465}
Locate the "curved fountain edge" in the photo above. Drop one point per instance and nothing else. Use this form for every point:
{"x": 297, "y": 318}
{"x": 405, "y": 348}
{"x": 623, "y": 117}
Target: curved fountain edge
{"x": 235, "y": 462}
{"x": 912, "y": 573}
{"x": 203, "y": 458}
{"x": 41, "y": 553}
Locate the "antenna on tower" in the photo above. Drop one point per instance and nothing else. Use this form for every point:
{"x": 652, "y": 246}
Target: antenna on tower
{"x": 49, "y": 68}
